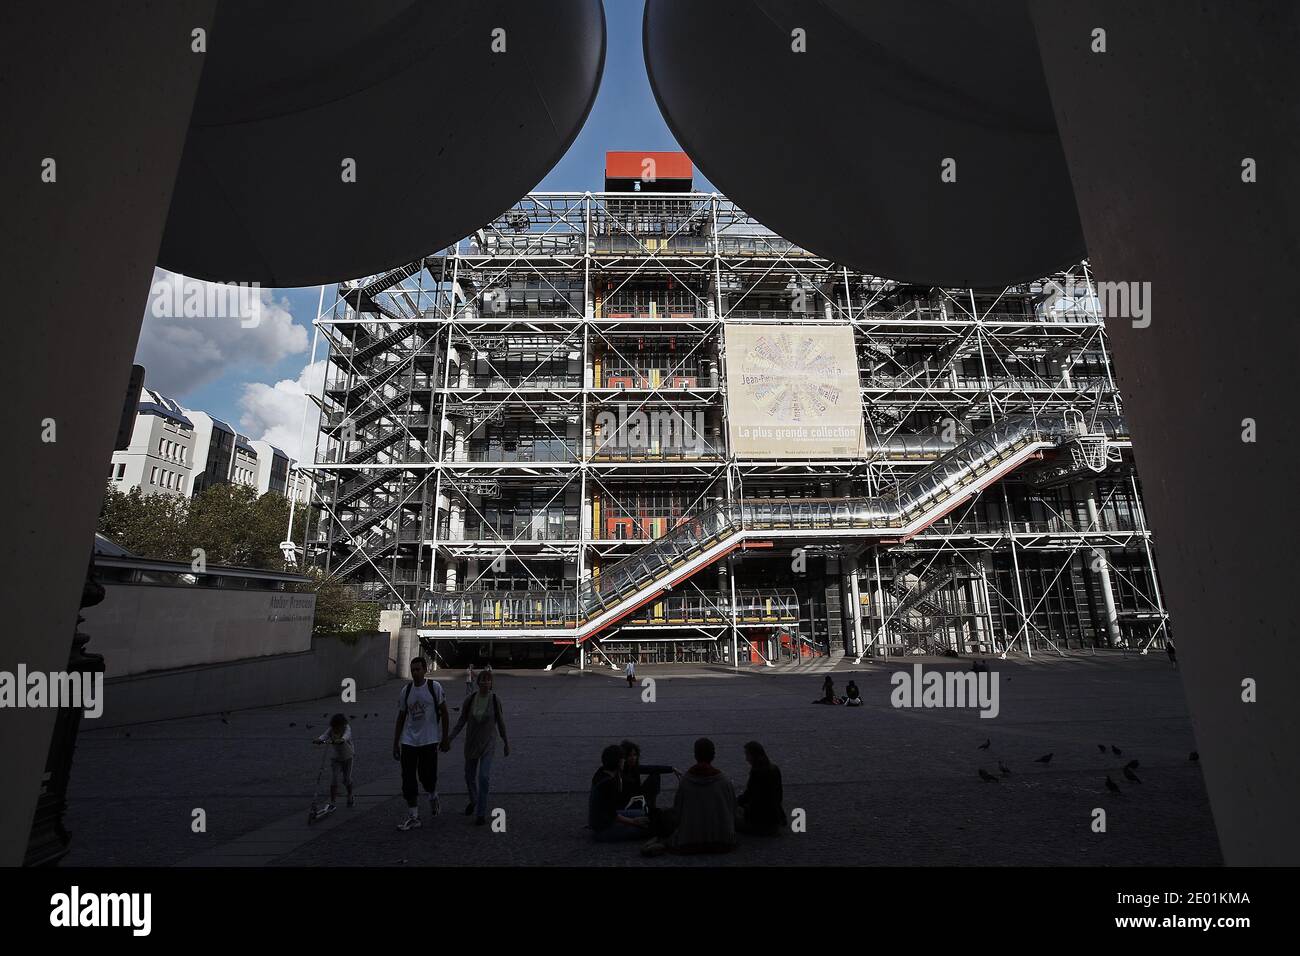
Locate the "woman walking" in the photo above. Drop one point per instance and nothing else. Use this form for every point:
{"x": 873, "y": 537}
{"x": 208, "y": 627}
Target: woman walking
{"x": 481, "y": 719}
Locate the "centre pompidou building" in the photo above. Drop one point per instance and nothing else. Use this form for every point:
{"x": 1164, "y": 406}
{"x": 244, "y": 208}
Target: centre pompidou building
{"x": 638, "y": 422}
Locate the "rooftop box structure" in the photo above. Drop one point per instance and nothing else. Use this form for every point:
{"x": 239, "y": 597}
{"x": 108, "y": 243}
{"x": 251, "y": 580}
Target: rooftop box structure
{"x": 647, "y": 171}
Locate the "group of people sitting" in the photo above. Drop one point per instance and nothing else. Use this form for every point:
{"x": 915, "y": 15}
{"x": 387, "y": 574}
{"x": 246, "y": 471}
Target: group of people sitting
{"x": 706, "y": 813}
{"x": 851, "y": 696}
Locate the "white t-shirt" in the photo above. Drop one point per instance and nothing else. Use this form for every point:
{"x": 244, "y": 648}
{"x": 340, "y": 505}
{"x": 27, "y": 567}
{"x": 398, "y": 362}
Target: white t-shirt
{"x": 422, "y": 726}
{"x": 630, "y": 670}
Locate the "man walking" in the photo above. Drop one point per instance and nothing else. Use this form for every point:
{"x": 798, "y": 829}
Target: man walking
{"x": 630, "y": 671}
{"x": 416, "y": 738}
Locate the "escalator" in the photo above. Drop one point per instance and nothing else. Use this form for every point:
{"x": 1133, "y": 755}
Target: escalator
{"x": 701, "y": 539}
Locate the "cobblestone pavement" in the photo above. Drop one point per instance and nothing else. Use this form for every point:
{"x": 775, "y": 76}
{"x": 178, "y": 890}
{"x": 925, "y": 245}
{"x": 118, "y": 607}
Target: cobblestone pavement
{"x": 878, "y": 785}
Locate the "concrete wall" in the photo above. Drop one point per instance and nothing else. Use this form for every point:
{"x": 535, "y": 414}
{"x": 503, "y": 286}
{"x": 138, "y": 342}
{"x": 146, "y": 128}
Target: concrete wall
{"x": 105, "y": 90}
{"x": 1156, "y": 131}
{"x": 254, "y": 682}
{"x": 140, "y": 628}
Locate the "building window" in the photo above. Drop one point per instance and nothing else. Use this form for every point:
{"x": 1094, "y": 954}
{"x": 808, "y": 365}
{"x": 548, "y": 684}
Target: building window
{"x": 153, "y": 475}
{"x": 121, "y": 470}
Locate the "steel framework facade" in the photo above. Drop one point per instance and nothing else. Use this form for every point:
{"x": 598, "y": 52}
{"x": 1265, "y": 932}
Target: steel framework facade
{"x": 467, "y": 472}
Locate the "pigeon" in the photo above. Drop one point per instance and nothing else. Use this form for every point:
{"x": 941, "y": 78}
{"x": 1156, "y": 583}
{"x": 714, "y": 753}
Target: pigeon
{"x": 1046, "y": 758}
{"x": 1115, "y": 750}
{"x": 985, "y": 745}
{"x": 224, "y": 721}
{"x": 292, "y": 724}
{"x": 1130, "y": 775}
{"x": 1111, "y": 785}
{"x": 1193, "y": 756}
{"x": 1101, "y": 747}
{"x": 987, "y": 777}
{"x": 1132, "y": 765}
{"x": 352, "y": 716}
{"x": 1006, "y": 771}
{"x": 127, "y": 734}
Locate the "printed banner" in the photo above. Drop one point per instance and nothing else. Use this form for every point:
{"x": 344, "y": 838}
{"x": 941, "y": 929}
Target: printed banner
{"x": 793, "y": 392}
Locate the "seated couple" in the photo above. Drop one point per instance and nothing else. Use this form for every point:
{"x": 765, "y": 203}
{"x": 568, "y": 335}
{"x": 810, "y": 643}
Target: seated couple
{"x": 851, "y": 697}
{"x": 706, "y": 813}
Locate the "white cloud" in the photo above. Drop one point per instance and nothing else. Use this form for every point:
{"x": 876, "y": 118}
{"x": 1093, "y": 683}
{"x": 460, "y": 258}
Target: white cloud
{"x": 183, "y": 353}
{"x": 274, "y": 413}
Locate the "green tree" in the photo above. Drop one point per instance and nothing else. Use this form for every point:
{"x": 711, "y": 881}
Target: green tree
{"x": 231, "y": 523}
{"x": 337, "y": 610}
{"x": 235, "y": 527}
{"x": 148, "y": 525}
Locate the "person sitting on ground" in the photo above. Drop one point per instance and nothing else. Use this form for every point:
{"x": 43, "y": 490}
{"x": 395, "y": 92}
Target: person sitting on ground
{"x": 828, "y": 690}
{"x": 608, "y": 821}
{"x": 851, "y": 696}
{"x": 633, "y": 770}
{"x": 705, "y": 807}
{"x": 761, "y": 811}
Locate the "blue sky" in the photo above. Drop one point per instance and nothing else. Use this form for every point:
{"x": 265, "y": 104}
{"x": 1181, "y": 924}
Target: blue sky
{"x": 247, "y": 379}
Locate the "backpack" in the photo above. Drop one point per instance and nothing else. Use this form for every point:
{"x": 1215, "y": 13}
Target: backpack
{"x": 406, "y": 696}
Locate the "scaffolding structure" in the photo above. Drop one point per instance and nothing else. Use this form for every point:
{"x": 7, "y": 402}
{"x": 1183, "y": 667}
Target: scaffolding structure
{"x": 524, "y": 445}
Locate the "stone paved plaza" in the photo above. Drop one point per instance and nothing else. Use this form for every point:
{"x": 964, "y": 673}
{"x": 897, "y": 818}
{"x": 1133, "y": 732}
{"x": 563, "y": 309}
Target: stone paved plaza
{"x": 879, "y": 785}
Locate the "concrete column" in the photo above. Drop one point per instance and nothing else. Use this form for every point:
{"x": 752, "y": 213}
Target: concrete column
{"x": 977, "y": 630}
{"x": 456, "y": 520}
{"x": 1101, "y": 565}
{"x": 106, "y": 91}
{"x": 407, "y": 645}
{"x": 854, "y": 631}
{"x": 391, "y": 621}
{"x": 1156, "y": 132}
{"x": 455, "y": 532}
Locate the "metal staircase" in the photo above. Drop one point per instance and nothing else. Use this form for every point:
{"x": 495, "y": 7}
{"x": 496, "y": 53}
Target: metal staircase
{"x": 364, "y": 554}
{"x": 370, "y": 350}
{"x": 923, "y": 621}
{"x": 375, "y": 445}
{"x": 353, "y": 490}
